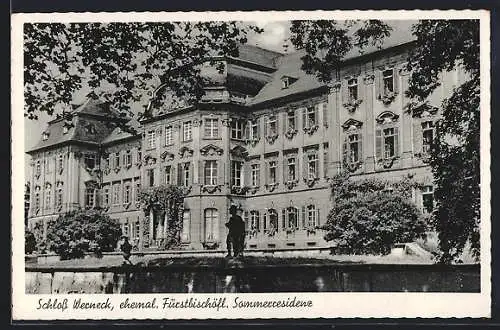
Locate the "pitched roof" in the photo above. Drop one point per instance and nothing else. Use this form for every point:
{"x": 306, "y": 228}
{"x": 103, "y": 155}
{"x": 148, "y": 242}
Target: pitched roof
{"x": 56, "y": 135}
{"x": 255, "y": 54}
{"x": 118, "y": 134}
{"x": 290, "y": 65}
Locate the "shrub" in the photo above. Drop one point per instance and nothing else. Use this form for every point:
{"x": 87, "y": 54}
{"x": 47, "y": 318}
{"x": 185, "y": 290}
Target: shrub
{"x": 75, "y": 233}
{"x": 368, "y": 218}
{"x": 29, "y": 242}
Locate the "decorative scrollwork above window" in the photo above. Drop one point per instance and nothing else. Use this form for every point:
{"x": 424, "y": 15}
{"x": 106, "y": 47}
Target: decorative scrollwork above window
{"x": 271, "y": 138}
{"x": 253, "y": 141}
{"x": 352, "y": 105}
{"x": 311, "y": 181}
{"x": 352, "y": 125}
{"x": 211, "y": 188}
{"x": 387, "y": 117}
{"x": 239, "y": 152}
{"x": 352, "y": 166}
{"x": 387, "y": 162}
{"x": 311, "y": 129}
{"x": 211, "y": 150}
{"x": 167, "y": 156}
{"x": 290, "y": 184}
{"x": 185, "y": 152}
{"x": 387, "y": 98}
{"x": 271, "y": 186}
{"x": 290, "y": 133}
{"x": 149, "y": 160}
{"x": 239, "y": 190}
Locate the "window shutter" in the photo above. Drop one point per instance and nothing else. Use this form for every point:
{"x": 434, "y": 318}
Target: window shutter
{"x": 417, "y": 136}
{"x": 378, "y": 83}
{"x": 344, "y": 91}
{"x": 304, "y": 166}
{"x": 345, "y": 149}
{"x": 325, "y": 113}
{"x": 378, "y": 143}
{"x": 179, "y": 174}
{"x": 285, "y": 169}
{"x": 304, "y": 118}
{"x": 303, "y": 217}
{"x": 396, "y": 141}
{"x": 360, "y": 147}
{"x": 395, "y": 78}
{"x": 361, "y": 88}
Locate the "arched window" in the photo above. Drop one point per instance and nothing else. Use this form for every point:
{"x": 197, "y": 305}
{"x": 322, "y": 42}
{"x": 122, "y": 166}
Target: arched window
{"x": 211, "y": 224}
{"x": 186, "y": 222}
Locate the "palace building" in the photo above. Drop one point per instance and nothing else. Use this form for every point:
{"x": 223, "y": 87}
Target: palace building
{"x": 266, "y": 136}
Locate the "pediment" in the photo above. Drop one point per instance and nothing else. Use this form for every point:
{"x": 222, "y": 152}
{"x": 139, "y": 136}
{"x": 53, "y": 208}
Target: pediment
{"x": 211, "y": 150}
{"x": 239, "y": 151}
{"x": 387, "y": 117}
{"x": 149, "y": 160}
{"x": 352, "y": 124}
{"x": 167, "y": 156}
{"x": 424, "y": 110}
{"x": 185, "y": 152}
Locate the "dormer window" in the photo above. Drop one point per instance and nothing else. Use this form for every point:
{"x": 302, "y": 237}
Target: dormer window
{"x": 90, "y": 128}
{"x": 45, "y": 136}
{"x": 287, "y": 81}
{"x": 65, "y": 129}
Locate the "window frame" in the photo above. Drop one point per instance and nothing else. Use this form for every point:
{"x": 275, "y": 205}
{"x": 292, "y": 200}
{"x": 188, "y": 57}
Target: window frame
{"x": 255, "y": 175}
{"x": 211, "y": 131}
{"x": 169, "y": 135}
{"x": 151, "y": 139}
{"x": 187, "y": 131}
{"x": 352, "y": 90}
{"x": 388, "y": 80}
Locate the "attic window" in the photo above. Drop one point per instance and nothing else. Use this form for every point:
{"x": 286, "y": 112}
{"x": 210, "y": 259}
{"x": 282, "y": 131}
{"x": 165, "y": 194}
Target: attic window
{"x": 45, "y": 136}
{"x": 287, "y": 81}
{"x": 65, "y": 129}
{"x": 90, "y": 128}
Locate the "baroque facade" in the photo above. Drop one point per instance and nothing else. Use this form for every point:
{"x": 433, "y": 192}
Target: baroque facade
{"x": 266, "y": 136}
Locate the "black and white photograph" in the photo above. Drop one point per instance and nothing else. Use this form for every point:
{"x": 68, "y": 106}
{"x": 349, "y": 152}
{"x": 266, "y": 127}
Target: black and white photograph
{"x": 251, "y": 165}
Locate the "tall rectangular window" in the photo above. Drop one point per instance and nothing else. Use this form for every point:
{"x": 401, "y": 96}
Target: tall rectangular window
{"x": 428, "y": 199}
{"x": 186, "y": 221}
{"x": 117, "y": 159}
{"x": 106, "y": 196}
{"x": 255, "y": 175}
{"x": 312, "y": 166}
{"x": 254, "y": 221}
{"x": 47, "y": 165}
{"x": 127, "y": 194}
{"x": 211, "y": 172}
{"x": 211, "y": 128}
{"x": 272, "y": 171}
{"x": 89, "y": 197}
{"x": 137, "y": 190}
{"x": 169, "y": 139}
{"x": 311, "y": 216}
{"x": 128, "y": 158}
{"x": 186, "y": 174}
{"x": 37, "y": 198}
{"x": 151, "y": 139}
{"x": 291, "y": 169}
{"x": 389, "y": 142}
{"x": 353, "y": 148}
{"x": 427, "y": 136}
{"x": 388, "y": 80}
{"x": 187, "y": 131}
{"x": 139, "y": 155}
{"x": 254, "y": 131}
{"x": 352, "y": 88}
{"x": 116, "y": 193}
{"x": 59, "y": 195}
{"x": 236, "y": 173}
{"x": 168, "y": 175}
{"x": 48, "y": 196}
{"x": 150, "y": 176}
{"x": 272, "y": 125}
{"x": 211, "y": 224}
{"x": 311, "y": 117}
{"x": 290, "y": 118}
{"x": 237, "y": 128}
{"x": 60, "y": 163}
{"x": 38, "y": 168}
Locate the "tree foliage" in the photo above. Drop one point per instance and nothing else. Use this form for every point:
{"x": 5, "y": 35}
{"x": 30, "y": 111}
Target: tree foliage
{"x": 121, "y": 62}
{"x": 29, "y": 242}
{"x": 440, "y": 46}
{"x": 369, "y": 218}
{"x": 77, "y": 232}
{"x": 169, "y": 200}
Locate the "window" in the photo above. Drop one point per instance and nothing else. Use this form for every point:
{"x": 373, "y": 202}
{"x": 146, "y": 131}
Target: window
{"x": 236, "y": 173}
{"x": 169, "y": 139}
{"x": 326, "y": 160}
{"x": 312, "y": 166}
{"x": 186, "y": 220}
{"x": 211, "y": 128}
{"x": 427, "y": 136}
{"x": 211, "y": 224}
{"x": 48, "y": 196}
{"x": 125, "y": 229}
{"x": 291, "y": 169}
{"x": 151, "y": 139}
{"x": 353, "y": 148}
{"x": 45, "y": 136}
{"x": 90, "y": 128}
{"x": 255, "y": 175}
{"x": 285, "y": 82}
{"x": 272, "y": 171}
{"x": 89, "y": 197}
{"x": 388, "y": 80}
{"x": 273, "y": 221}
{"x": 89, "y": 161}
{"x": 254, "y": 220}
{"x": 116, "y": 193}
{"x": 38, "y": 168}
{"x": 211, "y": 172}
{"x": 389, "y": 142}
{"x": 290, "y": 119}
{"x": 117, "y": 159}
{"x": 127, "y": 158}
{"x": 47, "y": 165}
{"x": 137, "y": 190}
{"x": 254, "y": 129}
{"x": 60, "y": 163}
{"x": 168, "y": 175}
{"x": 59, "y": 195}
{"x": 127, "y": 194}
{"x": 187, "y": 131}
{"x": 185, "y": 174}
{"x": 139, "y": 155}
{"x": 137, "y": 230}
{"x": 105, "y": 161}
{"x": 272, "y": 125}
{"x": 427, "y": 199}
{"x": 352, "y": 89}
{"x": 106, "y": 196}
{"x": 237, "y": 128}
{"x": 37, "y": 198}
{"x": 150, "y": 176}
{"x": 311, "y": 216}
{"x": 292, "y": 218}
{"x": 65, "y": 129}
